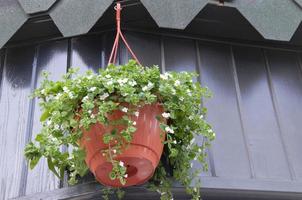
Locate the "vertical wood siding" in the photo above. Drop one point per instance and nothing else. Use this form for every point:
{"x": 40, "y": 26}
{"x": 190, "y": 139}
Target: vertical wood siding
{"x": 256, "y": 109}
{"x": 217, "y": 73}
{"x": 51, "y": 57}
{"x": 14, "y": 115}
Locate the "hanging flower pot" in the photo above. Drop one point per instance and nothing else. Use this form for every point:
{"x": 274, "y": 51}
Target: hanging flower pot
{"x": 119, "y": 120}
{"x": 140, "y": 158}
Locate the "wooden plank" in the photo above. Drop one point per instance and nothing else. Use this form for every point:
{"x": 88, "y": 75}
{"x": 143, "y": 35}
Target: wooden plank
{"x": 52, "y": 57}
{"x": 214, "y": 188}
{"x": 91, "y": 52}
{"x": 180, "y": 54}
{"x": 230, "y": 155}
{"x": 258, "y": 116}
{"x": 145, "y": 46}
{"x": 287, "y": 88}
{"x": 14, "y": 106}
{"x": 1, "y": 67}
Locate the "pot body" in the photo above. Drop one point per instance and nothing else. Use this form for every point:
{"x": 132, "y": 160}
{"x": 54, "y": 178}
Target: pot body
{"x": 141, "y": 157}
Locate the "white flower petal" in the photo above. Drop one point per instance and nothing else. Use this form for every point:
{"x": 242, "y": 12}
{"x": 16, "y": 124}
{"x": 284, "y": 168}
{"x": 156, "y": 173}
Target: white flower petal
{"x": 166, "y": 115}
{"x": 125, "y": 109}
{"x": 121, "y": 163}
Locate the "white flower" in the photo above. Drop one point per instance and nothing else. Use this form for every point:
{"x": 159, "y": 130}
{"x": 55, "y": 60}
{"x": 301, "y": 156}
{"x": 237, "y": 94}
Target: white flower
{"x": 110, "y": 82}
{"x": 214, "y": 135}
{"x": 210, "y": 131}
{"x": 114, "y": 151}
{"x": 70, "y": 94}
{"x": 108, "y": 76}
{"x": 43, "y": 91}
{"x": 89, "y": 111}
{"x": 119, "y": 81}
{"x": 150, "y": 85}
{"x": 122, "y": 81}
{"x": 92, "y": 89}
{"x": 191, "y": 165}
{"x": 65, "y": 89}
{"x": 126, "y": 176}
{"x": 201, "y": 116}
{"x": 195, "y": 189}
{"x": 85, "y": 98}
{"x": 191, "y": 117}
{"x": 192, "y": 141}
{"x": 121, "y": 163}
{"x": 56, "y": 127}
{"x": 199, "y": 150}
{"x": 92, "y": 116}
{"x": 169, "y": 130}
{"x": 125, "y": 109}
{"x": 177, "y": 83}
{"x": 175, "y": 142}
{"x": 181, "y": 98}
{"x": 58, "y": 96}
{"x": 173, "y": 92}
{"x": 104, "y": 96}
{"x": 166, "y": 115}
{"x": 189, "y": 92}
{"x": 89, "y": 77}
{"x": 145, "y": 88}
{"x": 134, "y": 123}
{"x": 136, "y": 113}
{"x": 48, "y": 122}
{"x": 53, "y": 139}
{"x": 132, "y": 83}
{"x": 195, "y": 158}
{"x": 164, "y": 76}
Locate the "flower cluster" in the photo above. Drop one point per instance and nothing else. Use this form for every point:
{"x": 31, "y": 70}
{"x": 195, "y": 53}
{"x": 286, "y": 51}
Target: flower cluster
{"x": 78, "y": 101}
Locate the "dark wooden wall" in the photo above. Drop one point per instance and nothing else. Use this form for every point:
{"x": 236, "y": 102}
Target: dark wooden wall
{"x": 256, "y": 110}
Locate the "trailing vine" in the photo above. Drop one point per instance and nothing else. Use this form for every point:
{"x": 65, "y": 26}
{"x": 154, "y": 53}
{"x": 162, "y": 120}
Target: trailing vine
{"x": 78, "y": 101}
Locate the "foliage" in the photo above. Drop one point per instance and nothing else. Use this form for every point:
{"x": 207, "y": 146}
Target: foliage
{"x": 69, "y": 106}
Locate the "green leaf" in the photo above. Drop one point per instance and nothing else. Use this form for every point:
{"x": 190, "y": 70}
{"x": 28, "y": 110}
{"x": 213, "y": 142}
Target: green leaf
{"x": 132, "y": 129}
{"x": 122, "y": 181}
{"x": 120, "y": 193}
{"x": 112, "y": 175}
{"x": 62, "y": 172}
{"x": 52, "y": 167}
{"x": 44, "y": 116}
{"x": 174, "y": 152}
{"x": 107, "y": 138}
{"x": 34, "y": 162}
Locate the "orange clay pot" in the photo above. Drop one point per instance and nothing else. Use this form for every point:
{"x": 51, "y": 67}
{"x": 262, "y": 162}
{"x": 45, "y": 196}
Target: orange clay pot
{"x": 141, "y": 157}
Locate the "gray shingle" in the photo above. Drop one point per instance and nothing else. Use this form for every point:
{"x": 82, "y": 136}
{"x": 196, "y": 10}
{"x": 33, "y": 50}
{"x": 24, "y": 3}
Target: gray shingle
{"x": 299, "y": 2}
{"x": 34, "y": 6}
{"x": 75, "y": 17}
{"x": 12, "y": 17}
{"x": 274, "y": 19}
{"x": 176, "y": 14}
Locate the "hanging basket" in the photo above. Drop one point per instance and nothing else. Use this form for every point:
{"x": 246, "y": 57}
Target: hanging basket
{"x": 141, "y": 157}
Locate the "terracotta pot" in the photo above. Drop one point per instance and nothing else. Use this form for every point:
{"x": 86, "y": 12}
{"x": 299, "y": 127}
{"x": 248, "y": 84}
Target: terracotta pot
{"x": 142, "y": 156}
